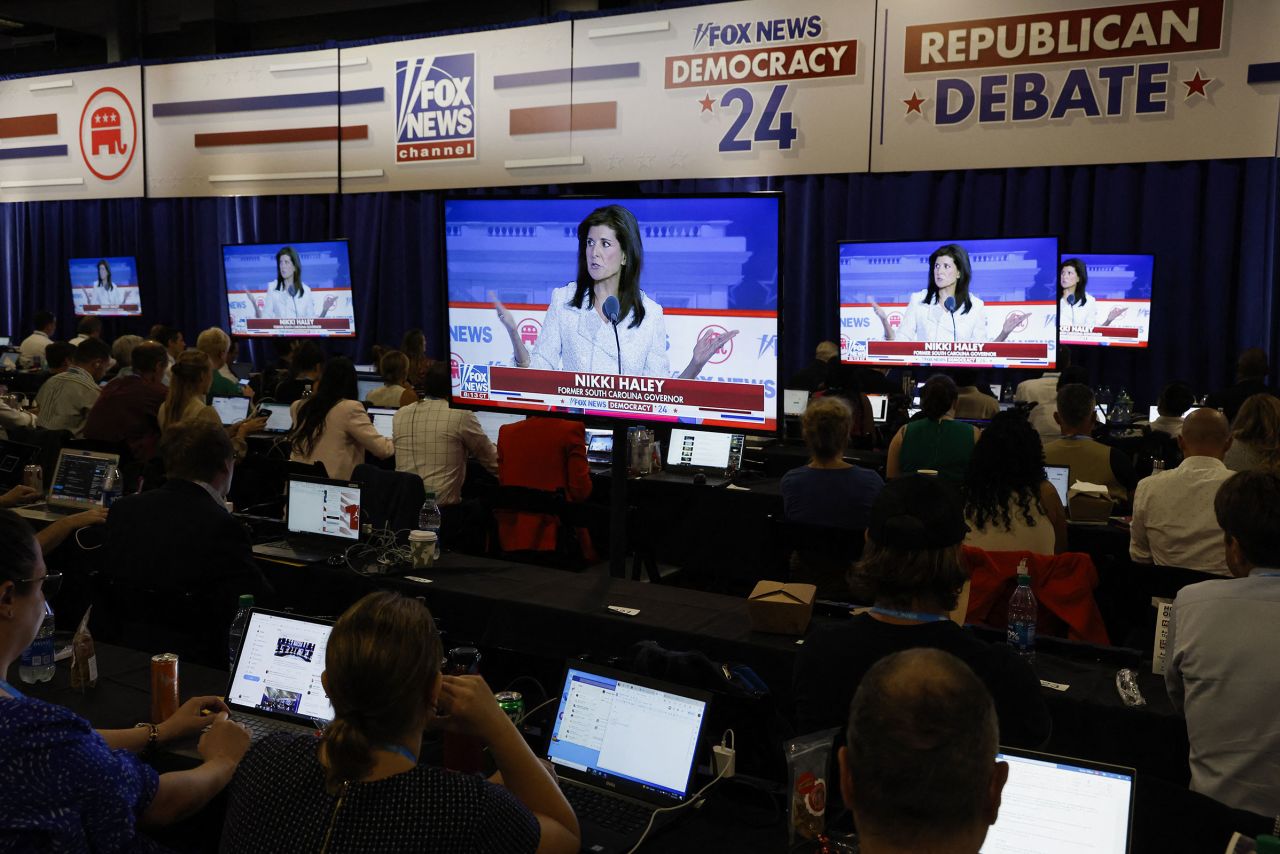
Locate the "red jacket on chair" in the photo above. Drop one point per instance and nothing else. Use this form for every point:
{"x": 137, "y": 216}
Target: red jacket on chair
{"x": 1063, "y": 585}
{"x": 546, "y": 454}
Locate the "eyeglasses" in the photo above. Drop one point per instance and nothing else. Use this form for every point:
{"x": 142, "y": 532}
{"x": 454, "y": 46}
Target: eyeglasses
{"x": 50, "y": 583}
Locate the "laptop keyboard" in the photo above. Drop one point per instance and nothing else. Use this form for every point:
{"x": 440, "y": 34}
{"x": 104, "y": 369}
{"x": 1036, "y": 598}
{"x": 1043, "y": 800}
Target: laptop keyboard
{"x": 605, "y": 810}
{"x": 260, "y": 728}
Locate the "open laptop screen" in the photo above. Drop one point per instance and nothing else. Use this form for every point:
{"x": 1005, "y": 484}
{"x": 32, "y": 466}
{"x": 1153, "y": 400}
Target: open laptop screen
{"x": 329, "y": 508}
{"x": 79, "y": 478}
{"x": 1060, "y": 477}
{"x": 879, "y": 407}
{"x": 1054, "y": 805}
{"x": 279, "y": 418}
{"x": 794, "y": 401}
{"x": 704, "y": 449}
{"x": 366, "y": 386}
{"x": 612, "y": 729}
{"x": 381, "y": 418}
{"x": 231, "y": 409}
{"x": 279, "y": 666}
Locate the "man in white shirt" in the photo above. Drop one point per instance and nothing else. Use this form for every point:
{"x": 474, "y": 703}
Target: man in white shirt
{"x": 1173, "y": 518}
{"x": 1220, "y": 670}
{"x": 433, "y": 441}
{"x": 65, "y": 399}
{"x": 33, "y": 346}
{"x": 1175, "y": 399}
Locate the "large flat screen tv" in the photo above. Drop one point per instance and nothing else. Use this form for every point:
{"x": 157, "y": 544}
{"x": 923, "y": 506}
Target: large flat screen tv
{"x": 704, "y": 270}
{"x": 958, "y": 303}
{"x": 294, "y": 289}
{"x": 1105, "y": 300}
{"x": 105, "y": 286}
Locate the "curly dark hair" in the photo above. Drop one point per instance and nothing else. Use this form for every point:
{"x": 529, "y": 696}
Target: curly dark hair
{"x": 1007, "y": 463}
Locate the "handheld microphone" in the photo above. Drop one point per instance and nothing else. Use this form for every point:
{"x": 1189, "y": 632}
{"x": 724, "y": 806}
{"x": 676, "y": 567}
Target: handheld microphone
{"x": 950, "y": 306}
{"x": 613, "y": 309}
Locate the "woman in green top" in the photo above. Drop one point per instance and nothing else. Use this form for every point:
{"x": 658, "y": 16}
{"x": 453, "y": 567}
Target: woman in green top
{"x": 934, "y": 442}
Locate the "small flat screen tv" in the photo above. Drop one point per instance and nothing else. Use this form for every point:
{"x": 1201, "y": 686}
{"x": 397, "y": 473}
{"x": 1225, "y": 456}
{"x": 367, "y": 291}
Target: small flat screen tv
{"x": 107, "y": 287}
{"x": 956, "y": 303}
{"x": 294, "y": 289}
{"x": 705, "y": 351}
{"x": 1105, "y": 300}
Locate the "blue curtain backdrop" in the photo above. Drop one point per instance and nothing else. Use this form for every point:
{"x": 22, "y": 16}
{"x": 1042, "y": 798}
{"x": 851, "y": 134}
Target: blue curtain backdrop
{"x": 1210, "y": 224}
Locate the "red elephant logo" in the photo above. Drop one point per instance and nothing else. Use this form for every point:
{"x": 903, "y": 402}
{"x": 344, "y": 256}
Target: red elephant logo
{"x": 105, "y": 132}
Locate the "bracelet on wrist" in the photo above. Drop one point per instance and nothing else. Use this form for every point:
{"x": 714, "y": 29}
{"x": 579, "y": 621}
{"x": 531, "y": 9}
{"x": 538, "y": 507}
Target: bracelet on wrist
{"x": 153, "y": 736}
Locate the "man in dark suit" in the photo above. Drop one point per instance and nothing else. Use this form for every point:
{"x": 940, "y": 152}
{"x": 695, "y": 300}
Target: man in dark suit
{"x": 178, "y": 544}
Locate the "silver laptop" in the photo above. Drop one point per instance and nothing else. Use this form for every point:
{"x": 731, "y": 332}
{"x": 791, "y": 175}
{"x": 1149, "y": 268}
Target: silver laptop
{"x": 279, "y": 418}
{"x": 231, "y": 409}
{"x": 381, "y": 417}
{"x": 624, "y": 746}
{"x": 1060, "y": 477}
{"x": 77, "y": 485}
{"x": 879, "y": 407}
{"x": 1055, "y": 805}
{"x": 275, "y": 684}
{"x": 322, "y": 517}
{"x": 794, "y": 401}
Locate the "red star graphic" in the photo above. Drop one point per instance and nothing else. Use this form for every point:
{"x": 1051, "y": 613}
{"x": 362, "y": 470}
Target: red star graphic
{"x": 1196, "y": 85}
{"x": 913, "y": 103}
{"x": 707, "y": 103}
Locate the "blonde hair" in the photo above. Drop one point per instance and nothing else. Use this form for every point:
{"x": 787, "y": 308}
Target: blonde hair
{"x": 381, "y": 662}
{"x": 213, "y": 342}
{"x": 187, "y": 380}
{"x": 826, "y": 424}
{"x": 1257, "y": 425}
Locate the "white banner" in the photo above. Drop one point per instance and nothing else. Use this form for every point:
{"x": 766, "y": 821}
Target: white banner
{"x": 251, "y": 125}
{"x": 1006, "y": 83}
{"x": 76, "y": 135}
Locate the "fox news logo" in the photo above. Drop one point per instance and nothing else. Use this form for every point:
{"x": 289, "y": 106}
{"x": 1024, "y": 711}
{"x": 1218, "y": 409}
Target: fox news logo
{"x": 768, "y": 344}
{"x": 435, "y": 108}
{"x": 474, "y": 381}
{"x": 737, "y": 33}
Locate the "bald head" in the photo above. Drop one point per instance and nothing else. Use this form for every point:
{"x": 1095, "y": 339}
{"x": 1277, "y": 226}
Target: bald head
{"x": 1205, "y": 433}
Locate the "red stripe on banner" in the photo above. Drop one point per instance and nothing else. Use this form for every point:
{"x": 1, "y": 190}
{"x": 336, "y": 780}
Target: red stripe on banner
{"x": 1116, "y": 331}
{"x": 270, "y": 137}
{"x": 691, "y": 312}
{"x": 926, "y": 350}
{"x": 562, "y": 117}
{"x": 16, "y": 126}
{"x": 612, "y": 388}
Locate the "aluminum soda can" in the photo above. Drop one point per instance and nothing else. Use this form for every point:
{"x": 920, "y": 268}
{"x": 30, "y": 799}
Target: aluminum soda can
{"x": 164, "y": 686}
{"x": 33, "y": 476}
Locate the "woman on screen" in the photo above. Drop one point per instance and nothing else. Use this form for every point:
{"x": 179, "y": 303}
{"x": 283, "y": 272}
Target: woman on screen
{"x": 286, "y": 295}
{"x": 576, "y": 334}
{"x": 1075, "y": 308}
{"x": 945, "y": 310}
{"x": 103, "y": 293}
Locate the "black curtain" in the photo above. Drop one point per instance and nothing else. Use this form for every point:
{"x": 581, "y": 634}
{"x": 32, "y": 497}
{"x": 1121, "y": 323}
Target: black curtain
{"x": 1210, "y": 224}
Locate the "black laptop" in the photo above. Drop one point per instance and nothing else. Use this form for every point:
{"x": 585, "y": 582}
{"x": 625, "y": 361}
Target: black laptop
{"x": 275, "y": 683}
{"x": 717, "y": 456}
{"x": 624, "y": 746}
{"x": 322, "y": 517}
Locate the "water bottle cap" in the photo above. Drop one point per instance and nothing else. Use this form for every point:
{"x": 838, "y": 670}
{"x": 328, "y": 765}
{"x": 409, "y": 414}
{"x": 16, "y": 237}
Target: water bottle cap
{"x": 246, "y": 600}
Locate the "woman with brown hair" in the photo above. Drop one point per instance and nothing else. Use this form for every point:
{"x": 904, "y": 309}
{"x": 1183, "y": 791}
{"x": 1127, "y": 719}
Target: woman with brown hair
{"x": 1255, "y": 435}
{"x": 189, "y": 381}
{"x": 360, "y": 787}
{"x": 414, "y": 347}
{"x": 397, "y": 391}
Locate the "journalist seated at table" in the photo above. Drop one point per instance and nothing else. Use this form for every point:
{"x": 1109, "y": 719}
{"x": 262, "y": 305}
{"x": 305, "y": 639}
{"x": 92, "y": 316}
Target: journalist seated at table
{"x": 913, "y": 570}
{"x": 919, "y": 767}
{"x": 827, "y": 490}
{"x": 362, "y": 786}
{"x": 1009, "y": 504}
{"x": 936, "y": 442}
{"x": 65, "y": 399}
{"x": 66, "y": 786}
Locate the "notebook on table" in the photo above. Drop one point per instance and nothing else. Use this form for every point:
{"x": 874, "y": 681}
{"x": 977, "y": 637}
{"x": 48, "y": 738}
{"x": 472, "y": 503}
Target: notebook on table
{"x": 76, "y": 486}
{"x": 275, "y": 683}
{"x": 623, "y": 747}
{"x": 322, "y": 518}
{"x": 231, "y": 409}
{"x": 1056, "y": 805}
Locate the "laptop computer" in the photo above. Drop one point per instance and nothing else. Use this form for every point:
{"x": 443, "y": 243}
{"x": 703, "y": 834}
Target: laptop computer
{"x": 9, "y": 361}
{"x": 367, "y": 385}
{"x": 623, "y": 747}
{"x": 1054, "y": 805}
{"x": 231, "y": 409}
{"x": 879, "y": 407}
{"x": 279, "y": 418}
{"x": 1060, "y": 477}
{"x": 718, "y": 456}
{"x": 322, "y": 517}
{"x": 794, "y": 401}
{"x": 4, "y": 340}
{"x": 14, "y": 457}
{"x": 381, "y": 417}
{"x": 599, "y": 447}
{"x": 492, "y": 422}
{"x": 275, "y": 683}
{"x": 76, "y": 485}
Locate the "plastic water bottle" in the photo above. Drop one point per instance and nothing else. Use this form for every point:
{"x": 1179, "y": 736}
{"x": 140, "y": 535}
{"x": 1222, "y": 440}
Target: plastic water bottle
{"x": 37, "y": 659}
{"x": 236, "y": 635}
{"x": 1021, "y": 633}
{"x": 429, "y": 518}
{"x": 112, "y": 486}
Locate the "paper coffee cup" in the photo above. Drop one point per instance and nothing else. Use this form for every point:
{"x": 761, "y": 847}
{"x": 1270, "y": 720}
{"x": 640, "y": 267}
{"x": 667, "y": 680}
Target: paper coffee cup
{"x": 424, "y": 546}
